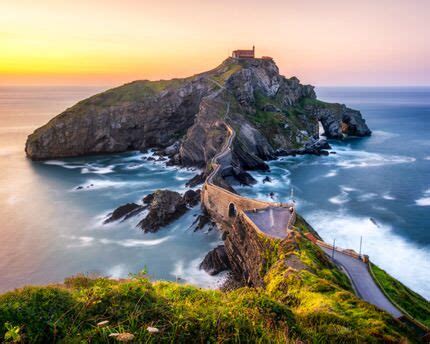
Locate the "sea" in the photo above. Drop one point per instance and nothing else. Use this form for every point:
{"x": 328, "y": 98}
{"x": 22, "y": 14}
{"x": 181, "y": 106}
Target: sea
{"x": 372, "y": 190}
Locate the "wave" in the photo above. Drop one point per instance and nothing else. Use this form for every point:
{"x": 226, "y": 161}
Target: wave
{"x": 378, "y": 239}
{"x": 425, "y": 200}
{"x": 191, "y": 273}
{"x": 135, "y": 242}
{"x": 342, "y": 198}
{"x": 331, "y": 173}
{"x": 347, "y": 158}
{"x": 98, "y": 169}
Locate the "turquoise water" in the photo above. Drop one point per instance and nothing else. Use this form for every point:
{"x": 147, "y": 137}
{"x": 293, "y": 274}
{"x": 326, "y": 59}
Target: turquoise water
{"x": 377, "y": 187}
{"x": 50, "y": 230}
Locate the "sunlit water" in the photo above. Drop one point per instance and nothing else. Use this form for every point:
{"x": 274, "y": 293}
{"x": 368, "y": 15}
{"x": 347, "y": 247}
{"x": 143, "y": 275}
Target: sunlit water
{"x": 51, "y": 230}
{"x": 385, "y": 178}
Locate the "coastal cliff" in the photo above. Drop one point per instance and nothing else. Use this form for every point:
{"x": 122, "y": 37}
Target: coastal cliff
{"x": 269, "y": 112}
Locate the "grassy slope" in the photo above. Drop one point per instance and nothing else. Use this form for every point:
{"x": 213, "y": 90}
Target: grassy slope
{"x": 309, "y": 300}
{"x": 413, "y": 303}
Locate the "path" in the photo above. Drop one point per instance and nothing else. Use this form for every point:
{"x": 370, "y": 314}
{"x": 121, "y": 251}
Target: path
{"x": 363, "y": 282}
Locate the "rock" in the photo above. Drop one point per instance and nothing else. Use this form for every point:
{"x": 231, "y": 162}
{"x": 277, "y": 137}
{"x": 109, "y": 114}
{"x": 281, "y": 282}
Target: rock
{"x": 124, "y": 211}
{"x": 148, "y": 199}
{"x": 270, "y": 108}
{"x": 172, "y": 149}
{"x": 215, "y": 261}
{"x": 165, "y": 206}
{"x": 185, "y": 118}
{"x": 191, "y": 197}
{"x": 339, "y": 120}
{"x": 267, "y": 179}
{"x": 196, "y": 180}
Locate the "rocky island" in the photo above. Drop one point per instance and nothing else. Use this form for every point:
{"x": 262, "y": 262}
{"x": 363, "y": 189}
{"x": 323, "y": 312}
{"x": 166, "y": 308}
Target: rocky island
{"x": 286, "y": 288}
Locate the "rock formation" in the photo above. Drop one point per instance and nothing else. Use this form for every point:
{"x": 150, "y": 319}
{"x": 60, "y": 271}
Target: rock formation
{"x": 180, "y": 117}
{"x": 216, "y": 261}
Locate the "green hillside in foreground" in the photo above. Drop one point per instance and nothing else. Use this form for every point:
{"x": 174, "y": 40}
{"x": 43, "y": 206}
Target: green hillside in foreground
{"x": 312, "y": 303}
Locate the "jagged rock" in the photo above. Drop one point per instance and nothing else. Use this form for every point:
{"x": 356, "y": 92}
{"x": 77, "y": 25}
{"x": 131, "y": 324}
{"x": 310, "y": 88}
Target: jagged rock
{"x": 173, "y": 149}
{"x": 164, "y": 207}
{"x": 267, "y": 179}
{"x": 191, "y": 197}
{"x": 339, "y": 120}
{"x": 184, "y": 118}
{"x": 124, "y": 211}
{"x": 216, "y": 261}
{"x": 196, "y": 180}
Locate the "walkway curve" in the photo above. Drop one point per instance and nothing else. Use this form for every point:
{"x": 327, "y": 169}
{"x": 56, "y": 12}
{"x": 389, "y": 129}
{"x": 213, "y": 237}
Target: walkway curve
{"x": 363, "y": 282}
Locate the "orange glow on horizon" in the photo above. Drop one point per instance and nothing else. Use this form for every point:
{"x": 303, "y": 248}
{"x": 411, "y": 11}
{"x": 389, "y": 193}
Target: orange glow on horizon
{"x": 107, "y": 42}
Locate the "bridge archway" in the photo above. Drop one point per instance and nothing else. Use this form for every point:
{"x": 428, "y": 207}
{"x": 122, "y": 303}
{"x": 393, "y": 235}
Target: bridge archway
{"x": 232, "y": 211}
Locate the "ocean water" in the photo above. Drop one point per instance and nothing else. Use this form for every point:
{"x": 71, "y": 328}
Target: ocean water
{"x": 50, "y": 229}
{"x": 377, "y": 188}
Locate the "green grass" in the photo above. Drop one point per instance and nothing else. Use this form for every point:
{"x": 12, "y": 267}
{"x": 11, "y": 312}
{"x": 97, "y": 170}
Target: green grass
{"x": 183, "y": 314}
{"x": 308, "y": 300}
{"x": 414, "y": 304}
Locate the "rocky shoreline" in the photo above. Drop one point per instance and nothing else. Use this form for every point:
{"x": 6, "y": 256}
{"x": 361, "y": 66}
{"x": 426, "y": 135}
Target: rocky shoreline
{"x": 181, "y": 121}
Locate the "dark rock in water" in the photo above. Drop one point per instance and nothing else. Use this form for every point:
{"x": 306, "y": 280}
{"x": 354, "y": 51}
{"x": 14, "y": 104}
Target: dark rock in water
{"x": 123, "y": 211}
{"x": 148, "y": 198}
{"x": 333, "y": 152}
{"x": 150, "y": 158}
{"x": 338, "y": 120}
{"x": 79, "y": 188}
{"x": 216, "y": 261}
{"x": 196, "y": 180}
{"x": 191, "y": 197}
{"x": 165, "y": 206}
{"x": 267, "y": 179}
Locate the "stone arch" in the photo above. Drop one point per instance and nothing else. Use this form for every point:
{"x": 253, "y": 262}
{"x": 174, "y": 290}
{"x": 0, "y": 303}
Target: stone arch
{"x": 232, "y": 211}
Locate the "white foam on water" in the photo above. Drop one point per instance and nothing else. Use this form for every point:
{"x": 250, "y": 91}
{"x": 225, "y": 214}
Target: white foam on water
{"x": 360, "y": 159}
{"x": 379, "y": 136}
{"x": 388, "y": 197}
{"x": 134, "y": 242}
{"x": 80, "y": 241}
{"x": 331, "y": 173}
{"x": 63, "y": 164}
{"x": 425, "y": 200}
{"x": 98, "y": 169}
{"x": 97, "y": 184}
{"x": 367, "y": 196}
{"x": 347, "y": 188}
{"x": 342, "y": 198}
{"x": 191, "y": 273}
{"x": 427, "y": 158}
{"x": 388, "y": 250}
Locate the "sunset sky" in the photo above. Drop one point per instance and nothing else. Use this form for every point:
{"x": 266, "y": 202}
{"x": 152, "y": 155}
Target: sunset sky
{"x": 107, "y": 42}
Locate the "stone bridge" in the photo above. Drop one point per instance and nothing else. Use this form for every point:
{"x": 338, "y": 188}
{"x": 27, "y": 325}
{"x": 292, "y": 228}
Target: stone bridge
{"x": 269, "y": 218}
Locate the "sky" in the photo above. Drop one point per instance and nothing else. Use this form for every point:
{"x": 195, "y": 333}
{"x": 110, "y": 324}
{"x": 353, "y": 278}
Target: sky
{"x": 109, "y": 42}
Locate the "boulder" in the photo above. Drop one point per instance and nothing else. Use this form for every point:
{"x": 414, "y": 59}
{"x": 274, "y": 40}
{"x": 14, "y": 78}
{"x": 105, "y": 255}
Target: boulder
{"x": 191, "y": 197}
{"x": 216, "y": 261}
{"x": 123, "y": 212}
{"x": 165, "y": 206}
{"x": 196, "y": 180}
